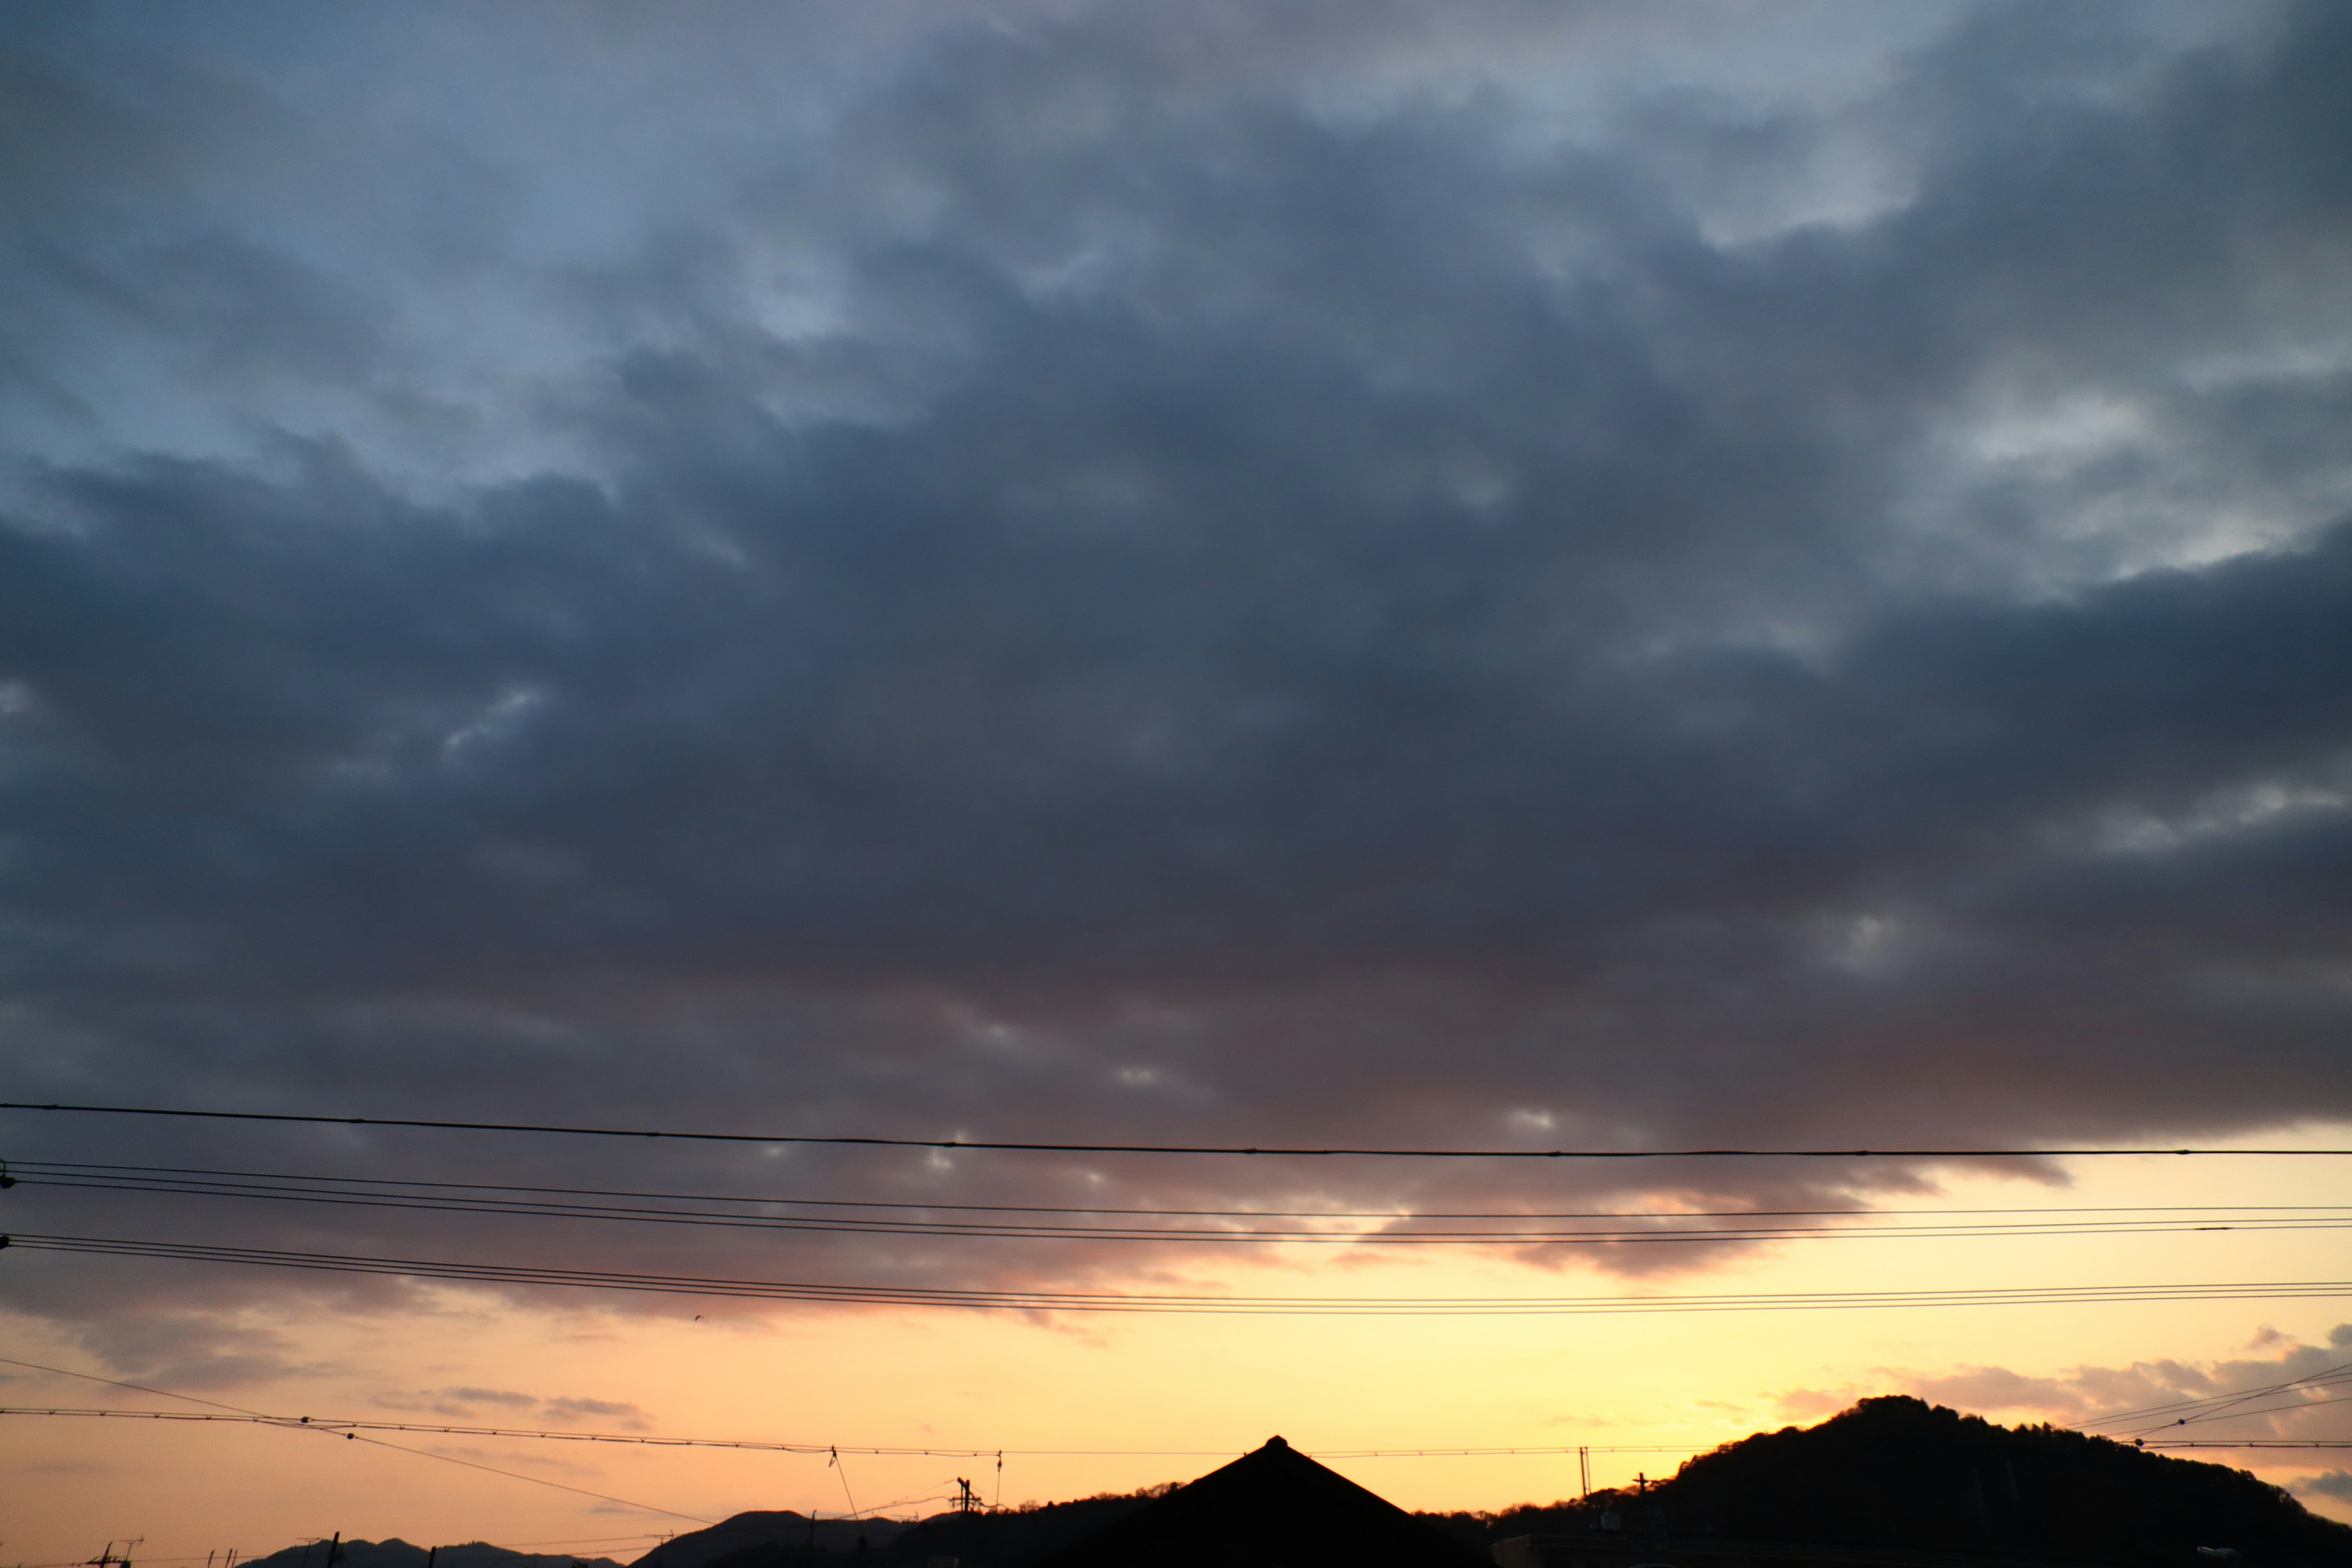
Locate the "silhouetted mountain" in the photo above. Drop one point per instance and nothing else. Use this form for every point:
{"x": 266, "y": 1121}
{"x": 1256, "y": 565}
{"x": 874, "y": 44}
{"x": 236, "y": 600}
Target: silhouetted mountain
{"x": 398, "y": 1553}
{"x": 1013, "y": 1538}
{"x": 1272, "y": 1508}
{"x": 768, "y": 1538}
{"x": 1898, "y": 1474}
{"x": 1001, "y": 1538}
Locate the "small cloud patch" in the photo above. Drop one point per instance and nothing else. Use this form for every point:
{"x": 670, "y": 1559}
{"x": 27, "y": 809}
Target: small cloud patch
{"x": 466, "y": 1404}
{"x": 628, "y": 1416}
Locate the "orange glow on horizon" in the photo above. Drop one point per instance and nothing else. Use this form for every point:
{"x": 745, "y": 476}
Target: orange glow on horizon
{"x": 1204, "y": 1387}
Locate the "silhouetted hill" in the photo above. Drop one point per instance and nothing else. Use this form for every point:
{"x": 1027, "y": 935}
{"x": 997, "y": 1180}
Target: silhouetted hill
{"x": 783, "y": 1538}
{"x": 1272, "y": 1508}
{"x": 398, "y": 1553}
{"x": 768, "y": 1537}
{"x": 1010, "y": 1538}
{"x": 1896, "y": 1473}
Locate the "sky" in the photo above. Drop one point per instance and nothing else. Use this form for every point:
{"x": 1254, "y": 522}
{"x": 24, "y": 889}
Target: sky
{"x": 1495, "y": 576}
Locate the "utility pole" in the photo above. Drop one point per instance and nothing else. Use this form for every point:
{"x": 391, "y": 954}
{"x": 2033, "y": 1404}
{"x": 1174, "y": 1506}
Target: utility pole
{"x": 111, "y": 1556}
{"x": 1583, "y": 1472}
{"x": 966, "y": 1505}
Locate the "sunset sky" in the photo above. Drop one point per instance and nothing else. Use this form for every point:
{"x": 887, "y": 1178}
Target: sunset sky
{"x": 1487, "y": 576}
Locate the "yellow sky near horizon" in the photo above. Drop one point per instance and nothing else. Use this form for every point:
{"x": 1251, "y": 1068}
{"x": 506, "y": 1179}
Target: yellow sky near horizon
{"x": 1204, "y": 1387}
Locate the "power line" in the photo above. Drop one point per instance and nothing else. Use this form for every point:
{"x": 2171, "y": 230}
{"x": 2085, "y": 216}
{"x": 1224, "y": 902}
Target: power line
{"x": 1846, "y": 1224}
{"x": 2215, "y": 1402}
{"x": 220, "y": 1413}
{"x": 949, "y": 1144}
{"x": 332, "y": 1426}
{"x": 926, "y": 1205}
{"x": 1387, "y": 1214}
{"x": 517, "y": 1475}
{"x": 1544, "y": 1450}
{"x": 2229, "y": 1412}
{"x": 2266, "y": 1409}
{"x": 118, "y": 1383}
{"x": 339, "y": 1424}
{"x": 1075, "y": 1302}
{"x": 240, "y": 1414}
{"x": 2261, "y": 1442}
{"x": 336, "y": 1424}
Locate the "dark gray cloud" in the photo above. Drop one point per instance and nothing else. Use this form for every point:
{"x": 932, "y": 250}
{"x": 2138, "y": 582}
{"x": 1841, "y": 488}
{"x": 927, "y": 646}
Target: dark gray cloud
{"x": 1173, "y": 575}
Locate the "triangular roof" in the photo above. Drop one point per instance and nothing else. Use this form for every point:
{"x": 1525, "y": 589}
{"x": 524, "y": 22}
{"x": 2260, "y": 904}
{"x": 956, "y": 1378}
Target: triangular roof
{"x": 1272, "y": 1508}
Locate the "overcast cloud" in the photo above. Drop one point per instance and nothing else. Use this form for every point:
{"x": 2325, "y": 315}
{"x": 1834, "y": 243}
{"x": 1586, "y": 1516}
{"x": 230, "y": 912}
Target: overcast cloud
{"x": 1178, "y": 573}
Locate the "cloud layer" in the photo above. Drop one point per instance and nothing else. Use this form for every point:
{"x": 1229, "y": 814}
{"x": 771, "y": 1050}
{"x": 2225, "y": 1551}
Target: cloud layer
{"x": 1201, "y": 573}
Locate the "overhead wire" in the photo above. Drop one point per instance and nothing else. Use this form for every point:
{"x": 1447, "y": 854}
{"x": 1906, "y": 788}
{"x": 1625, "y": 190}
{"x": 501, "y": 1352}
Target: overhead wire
{"x": 255, "y": 1417}
{"x": 1107, "y": 1301}
{"x": 804, "y": 1449}
{"x": 2256, "y": 1442}
{"x": 643, "y": 1440}
{"x": 2212, "y": 1406}
{"x": 928, "y": 1205}
{"x": 629, "y": 1439}
{"x": 2325, "y": 1376}
{"x": 356, "y": 1429}
{"x": 784, "y": 1139}
{"x": 2233, "y": 1413}
{"x": 135, "y": 1387}
{"x": 1747, "y": 1226}
{"x": 536, "y": 1480}
{"x": 1665, "y": 1227}
{"x": 335, "y": 1425}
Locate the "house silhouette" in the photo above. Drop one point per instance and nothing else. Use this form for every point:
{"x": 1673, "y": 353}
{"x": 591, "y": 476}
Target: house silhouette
{"x": 1272, "y": 1508}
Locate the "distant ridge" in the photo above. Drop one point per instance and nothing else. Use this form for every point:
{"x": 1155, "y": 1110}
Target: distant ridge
{"x": 395, "y": 1553}
{"x": 789, "y": 1533}
{"x": 1897, "y": 1474}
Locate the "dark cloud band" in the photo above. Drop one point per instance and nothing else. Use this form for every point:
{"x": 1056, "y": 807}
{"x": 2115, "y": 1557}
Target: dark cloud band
{"x": 1220, "y": 578}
